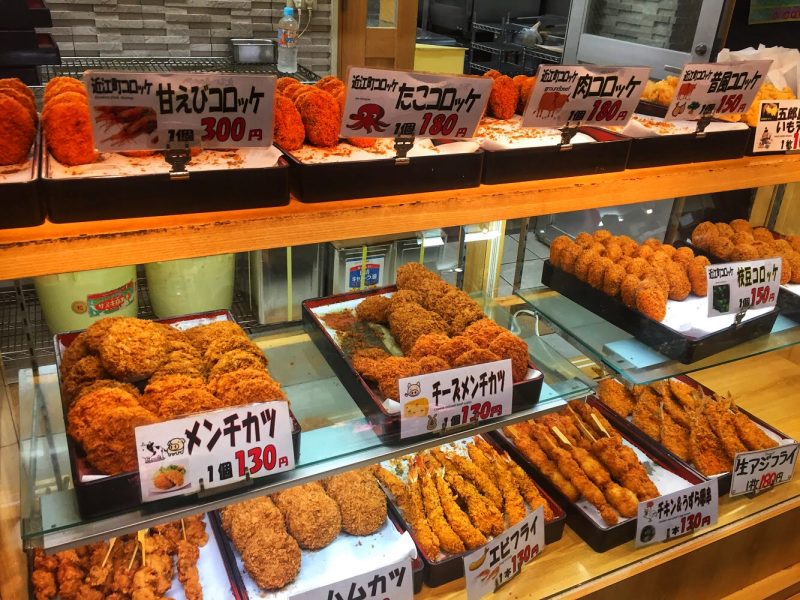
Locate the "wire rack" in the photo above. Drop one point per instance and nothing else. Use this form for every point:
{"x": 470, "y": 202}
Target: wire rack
{"x": 75, "y": 66}
{"x": 25, "y": 338}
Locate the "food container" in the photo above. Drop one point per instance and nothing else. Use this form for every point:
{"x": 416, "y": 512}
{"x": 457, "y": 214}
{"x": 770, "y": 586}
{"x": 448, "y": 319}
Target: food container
{"x": 347, "y": 556}
{"x": 98, "y": 495}
{"x": 668, "y": 473}
{"x": 609, "y": 154}
{"x": 326, "y": 181}
{"x": 191, "y": 285}
{"x": 20, "y": 201}
{"x": 707, "y": 336}
{"x": 350, "y": 260}
{"x": 119, "y": 187}
{"x": 439, "y": 571}
{"x": 641, "y": 438}
{"x": 73, "y": 301}
{"x": 253, "y": 51}
{"x": 386, "y": 424}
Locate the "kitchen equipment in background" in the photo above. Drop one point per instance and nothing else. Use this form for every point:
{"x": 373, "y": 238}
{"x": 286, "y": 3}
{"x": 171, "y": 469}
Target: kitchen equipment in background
{"x": 253, "y": 51}
{"x": 428, "y": 248}
{"x": 370, "y": 258}
{"x": 191, "y": 285}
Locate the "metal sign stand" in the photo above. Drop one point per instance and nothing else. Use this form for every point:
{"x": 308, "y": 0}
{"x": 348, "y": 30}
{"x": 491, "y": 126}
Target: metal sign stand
{"x": 178, "y": 158}
{"x": 402, "y": 145}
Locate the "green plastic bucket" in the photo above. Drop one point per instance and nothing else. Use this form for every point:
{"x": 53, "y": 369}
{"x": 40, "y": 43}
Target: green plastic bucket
{"x": 191, "y": 285}
{"x": 76, "y": 300}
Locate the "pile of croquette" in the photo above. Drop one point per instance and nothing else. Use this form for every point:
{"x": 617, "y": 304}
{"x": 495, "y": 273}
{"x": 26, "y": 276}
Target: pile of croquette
{"x": 18, "y": 120}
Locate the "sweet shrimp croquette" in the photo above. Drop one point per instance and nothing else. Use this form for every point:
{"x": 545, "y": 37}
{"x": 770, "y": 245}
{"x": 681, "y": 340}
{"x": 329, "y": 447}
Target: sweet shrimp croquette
{"x": 429, "y": 344}
{"x": 17, "y": 85}
{"x": 221, "y": 346}
{"x": 68, "y": 129}
{"x": 271, "y": 557}
{"x": 59, "y": 85}
{"x": 474, "y": 357}
{"x": 679, "y": 284}
{"x": 288, "y": 130}
{"x": 321, "y": 118}
{"x": 103, "y": 423}
{"x": 245, "y": 386}
{"x": 651, "y": 300}
{"x": 508, "y": 345}
{"x": 311, "y": 516}
{"x": 133, "y": 349}
{"x": 361, "y": 501}
{"x": 794, "y": 261}
{"x": 503, "y": 97}
{"x": 525, "y": 91}
{"x": 84, "y": 372}
{"x": 283, "y": 82}
{"x": 17, "y": 131}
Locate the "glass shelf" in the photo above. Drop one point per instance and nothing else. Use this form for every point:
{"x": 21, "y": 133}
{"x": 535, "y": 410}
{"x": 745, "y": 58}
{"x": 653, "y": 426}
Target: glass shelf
{"x": 335, "y": 437}
{"x": 630, "y": 358}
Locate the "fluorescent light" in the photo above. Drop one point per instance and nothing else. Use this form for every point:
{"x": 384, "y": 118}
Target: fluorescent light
{"x": 479, "y": 236}
{"x": 430, "y": 238}
{"x": 649, "y": 211}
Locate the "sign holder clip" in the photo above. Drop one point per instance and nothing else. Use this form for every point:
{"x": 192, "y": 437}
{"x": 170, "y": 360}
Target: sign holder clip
{"x": 702, "y": 123}
{"x": 178, "y": 158}
{"x": 206, "y": 492}
{"x": 402, "y": 145}
{"x": 737, "y": 321}
{"x": 567, "y": 133}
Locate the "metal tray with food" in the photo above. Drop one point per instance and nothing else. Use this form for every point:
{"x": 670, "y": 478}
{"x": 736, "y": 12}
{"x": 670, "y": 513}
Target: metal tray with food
{"x": 464, "y": 493}
{"x": 685, "y": 334}
{"x": 597, "y": 472}
{"x": 687, "y": 420}
{"x": 513, "y": 153}
{"x": 112, "y": 485}
{"x": 343, "y": 338}
{"x": 297, "y": 541}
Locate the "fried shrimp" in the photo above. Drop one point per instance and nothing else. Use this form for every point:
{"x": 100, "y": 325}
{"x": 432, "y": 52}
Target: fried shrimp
{"x": 456, "y": 517}
{"x": 479, "y": 478}
{"x": 411, "y": 504}
{"x": 448, "y": 539}
{"x": 487, "y": 518}
{"x": 513, "y": 503}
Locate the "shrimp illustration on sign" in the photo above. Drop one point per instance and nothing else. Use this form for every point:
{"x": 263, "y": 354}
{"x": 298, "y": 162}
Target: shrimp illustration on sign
{"x": 368, "y": 118}
{"x": 551, "y": 103}
{"x": 129, "y": 121}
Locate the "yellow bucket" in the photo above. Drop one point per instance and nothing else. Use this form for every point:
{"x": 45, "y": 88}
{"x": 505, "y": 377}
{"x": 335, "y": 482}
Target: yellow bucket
{"x": 439, "y": 59}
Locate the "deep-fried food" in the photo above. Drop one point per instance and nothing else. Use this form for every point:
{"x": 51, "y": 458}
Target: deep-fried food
{"x": 203, "y": 335}
{"x": 321, "y": 118}
{"x": 271, "y": 557}
{"x": 83, "y": 373}
{"x": 674, "y": 437}
{"x": 68, "y": 129}
{"x": 59, "y": 85}
{"x": 705, "y": 449}
{"x": 513, "y": 503}
{"x": 456, "y": 517}
{"x": 180, "y": 402}
{"x": 233, "y": 360}
{"x": 311, "y": 516}
{"x": 448, "y": 539}
{"x": 751, "y": 434}
{"x": 23, "y": 99}
{"x": 373, "y": 309}
{"x": 132, "y": 349}
{"x": 360, "y": 500}
{"x": 288, "y": 130}
{"x": 475, "y": 357}
{"x": 409, "y": 500}
{"x": 17, "y": 130}
{"x": 508, "y": 345}
{"x": 503, "y": 98}
{"x": 221, "y": 346}
{"x": 722, "y": 423}
{"x": 483, "y": 332}
{"x": 696, "y": 271}
{"x": 479, "y": 478}
{"x": 410, "y": 321}
{"x": 616, "y": 396}
{"x": 651, "y": 300}
{"x": 430, "y": 344}
{"x": 245, "y": 386}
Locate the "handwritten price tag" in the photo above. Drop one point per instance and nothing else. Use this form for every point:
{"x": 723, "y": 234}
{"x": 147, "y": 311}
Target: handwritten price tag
{"x": 500, "y": 560}
{"x": 216, "y": 448}
{"x": 436, "y": 402}
{"x": 676, "y": 514}
{"x": 707, "y": 89}
{"x": 778, "y": 127}
{"x": 571, "y": 95}
{"x": 146, "y": 111}
{"x": 392, "y": 582}
{"x": 735, "y": 287}
{"x": 760, "y": 470}
{"x": 384, "y": 103}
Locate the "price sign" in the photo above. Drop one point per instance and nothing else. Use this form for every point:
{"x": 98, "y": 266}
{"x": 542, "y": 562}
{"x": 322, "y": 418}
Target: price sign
{"x": 382, "y": 103}
{"x": 147, "y": 111}
{"x": 706, "y": 89}
{"x": 436, "y": 402}
{"x": 676, "y": 514}
{"x": 778, "y": 127}
{"x": 392, "y": 582}
{"x": 584, "y": 95}
{"x": 736, "y": 287}
{"x": 760, "y": 470}
{"x": 214, "y": 448}
{"x": 500, "y": 560}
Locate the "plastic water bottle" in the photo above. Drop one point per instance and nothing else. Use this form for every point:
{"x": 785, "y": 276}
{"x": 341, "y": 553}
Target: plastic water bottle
{"x": 287, "y": 41}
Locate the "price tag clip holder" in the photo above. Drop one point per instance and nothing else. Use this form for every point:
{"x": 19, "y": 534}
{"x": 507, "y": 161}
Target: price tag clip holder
{"x": 206, "y": 492}
{"x": 737, "y": 321}
{"x": 701, "y": 126}
{"x": 567, "y": 133}
{"x": 402, "y": 145}
{"x": 178, "y": 158}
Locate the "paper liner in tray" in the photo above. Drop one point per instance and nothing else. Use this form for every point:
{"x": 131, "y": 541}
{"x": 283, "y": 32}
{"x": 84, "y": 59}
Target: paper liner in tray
{"x": 668, "y": 473}
{"x": 384, "y": 415}
{"x": 447, "y": 567}
{"x": 98, "y": 494}
{"x": 723, "y": 479}
{"x": 686, "y": 334}
{"x": 117, "y": 186}
{"x": 347, "y": 556}
{"x": 20, "y": 202}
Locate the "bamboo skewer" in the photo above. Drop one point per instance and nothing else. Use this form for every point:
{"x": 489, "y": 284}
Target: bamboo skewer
{"x": 108, "y": 552}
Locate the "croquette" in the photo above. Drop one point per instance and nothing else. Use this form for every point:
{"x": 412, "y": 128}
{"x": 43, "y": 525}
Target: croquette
{"x": 179, "y": 402}
{"x": 310, "y": 515}
{"x": 321, "y": 118}
{"x": 503, "y": 97}
{"x": 60, "y": 85}
{"x": 455, "y": 347}
{"x": 679, "y": 285}
{"x": 483, "y": 332}
{"x": 432, "y": 364}
{"x": 508, "y": 345}
{"x": 17, "y": 131}
{"x": 373, "y": 309}
{"x": 245, "y": 386}
{"x": 474, "y": 357}
{"x": 235, "y": 360}
{"x": 696, "y": 272}
{"x": 84, "y": 372}
{"x": 288, "y": 131}
{"x": 429, "y": 344}
{"x": 68, "y": 130}
{"x": 360, "y": 500}
{"x": 133, "y": 349}
{"x": 221, "y": 346}
{"x": 203, "y": 335}
{"x": 612, "y": 279}
{"x": 721, "y": 247}
{"x": 762, "y": 234}
{"x": 651, "y": 300}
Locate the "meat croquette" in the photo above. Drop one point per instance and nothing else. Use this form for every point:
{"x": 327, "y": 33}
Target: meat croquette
{"x": 245, "y": 386}
{"x": 132, "y": 349}
{"x": 361, "y": 501}
{"x": 429, "y": 344}
{"x": 508, "y": 345}
{"x": 474, "y": 357}
{"x": 310, "y": 515}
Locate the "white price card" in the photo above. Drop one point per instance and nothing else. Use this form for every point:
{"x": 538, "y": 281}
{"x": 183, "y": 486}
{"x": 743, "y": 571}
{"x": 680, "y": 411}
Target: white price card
{"x": 214, "y": 449}
{"x": 778, "y": 127}
{"x": 709, "y": 89}
{"x": 501, "y": 559}
{"x": 738, "y": 286}
{"x": 381, "y": 103}
{"x": 585, "y": 95}
{"x": 678, "y": 513}
{"x": 147, "y": 111}
{"x": 392, "y": 582}
{"x": 436, "y": 402}
{"x": 760, "y": 470}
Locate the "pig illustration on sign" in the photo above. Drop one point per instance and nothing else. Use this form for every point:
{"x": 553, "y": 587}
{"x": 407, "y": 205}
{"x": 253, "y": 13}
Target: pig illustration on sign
{"x": 686, "y": 90}
{"x": 551, "y": 103}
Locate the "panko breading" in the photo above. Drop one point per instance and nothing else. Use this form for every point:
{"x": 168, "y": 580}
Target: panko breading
{"x": 373, "y": 309}
{"x": 483, "y": 332}
{"x": 17, "y": 131}
{"x": 474, "y": 357}
{"x": 242, "y": 520}
{"x": 430, "y": 344}
{"x": 410, "y": 321}
{"x": 103, "y": 423}
{"x": 361, "y": 501}
{"x": 311, "y": 516}
{"x": 508, "y": 345}
{"x": 751, "y": 434}
{"x": 401, "y": 297}
{"x": 108, "y": 383}
{"x": 288, "y": 131}
{"x": 245, "y": 386}
{"x": 84, "y": 372}
{"x": 203, "y": 335}
{"x": 17, "y": 85}
{"x": 503, "y": 98}
{"x": 616, "y": 396}
{"x": 234, "y": 360}
{"x": 59, "y": 85}
{"x": 221, "y": 346}
{"x": 170, "y": 383}
{"x": 432, "y": 364}
{"x": 272, "y": 558}
{"x": 68, "y": 131}
{"x": 23, "y": 99}
{"x": 455, "y": 347}
{"x": 283, "y": 82}
{"x": 74, "y": 352}
{"x": 133, "y": 349}
{"x": 321, "y": 118}
{"x": 180, "y": 402}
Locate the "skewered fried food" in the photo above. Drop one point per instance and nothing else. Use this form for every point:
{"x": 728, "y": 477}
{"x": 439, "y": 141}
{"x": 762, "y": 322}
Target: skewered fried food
{"x": 361, "y": 502}
{"x": 616, "y": 396}
{"x": 533, "y": 452}
{"x": 622, "y": 463}
{"x": 311, "y": 516}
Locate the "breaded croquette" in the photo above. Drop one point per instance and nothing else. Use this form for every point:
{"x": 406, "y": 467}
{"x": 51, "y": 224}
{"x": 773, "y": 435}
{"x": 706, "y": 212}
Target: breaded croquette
{"x": 361, "y": 502}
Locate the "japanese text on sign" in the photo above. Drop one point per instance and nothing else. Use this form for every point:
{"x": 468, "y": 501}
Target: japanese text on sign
{"x": 708, "y": 89}
{"x": 760, "y": 470}
{"x": 676, "y": 514}
{"x": 500, "y": 560}
{"x": 148, "y": 111}
{"x": 737, "y": 287}
{"x": 436, "y": 402}
{"x": 584, "y": 96}
{"x": 392, "y": 582}
{"x": 383, "y": 103}
{"x": 216, "y": 448}
{"x": 778, "y": 127}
